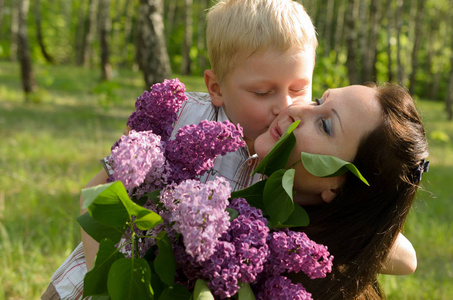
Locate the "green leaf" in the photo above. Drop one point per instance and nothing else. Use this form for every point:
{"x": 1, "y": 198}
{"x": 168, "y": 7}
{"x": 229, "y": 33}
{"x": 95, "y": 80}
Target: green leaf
{"x": 95, "y": 281}
{"x": 176, "y": 292}
{"x": 165, "y": 264}
{"x": 253, "y": 194}
{"x": 278, "y": 202}
{"x": 147, "y": 219}
{"x": 298, "y": 218}
{"x": 288, "y": 182}
{"x": 98, "y": 231}
{"x": 245, "y": 293}
{"x": 232, "y": 212}
{"x": 202, "y": 291}
{"x": 130, "y": 279}
{"x": 278, "y": 157}
{"x": 328, "y": 166}
{"x": 104, "y": 203}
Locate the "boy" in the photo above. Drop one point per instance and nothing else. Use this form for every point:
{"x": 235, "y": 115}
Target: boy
{"x": 262, "y": 55}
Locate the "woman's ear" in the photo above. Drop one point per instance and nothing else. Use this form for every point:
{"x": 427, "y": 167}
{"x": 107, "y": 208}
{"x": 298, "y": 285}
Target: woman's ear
{"x": 329, "y": 194}
{"x": 213, "y": 86}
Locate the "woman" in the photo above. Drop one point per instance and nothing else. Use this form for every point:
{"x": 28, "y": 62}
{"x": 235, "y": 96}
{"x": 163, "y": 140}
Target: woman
{"x": 379, "y": 130}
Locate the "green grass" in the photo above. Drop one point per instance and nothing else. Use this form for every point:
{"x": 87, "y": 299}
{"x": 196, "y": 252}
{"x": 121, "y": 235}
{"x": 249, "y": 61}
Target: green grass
{"x": 49, "y": 149}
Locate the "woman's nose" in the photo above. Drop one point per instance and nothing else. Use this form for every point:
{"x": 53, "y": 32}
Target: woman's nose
{"x": 299, "y": 110}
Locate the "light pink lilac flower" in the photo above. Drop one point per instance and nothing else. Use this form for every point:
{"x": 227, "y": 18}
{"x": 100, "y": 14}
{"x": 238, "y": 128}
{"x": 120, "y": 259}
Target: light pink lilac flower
{"x": 138, "y": 156}
{"x": 198, "y": 213}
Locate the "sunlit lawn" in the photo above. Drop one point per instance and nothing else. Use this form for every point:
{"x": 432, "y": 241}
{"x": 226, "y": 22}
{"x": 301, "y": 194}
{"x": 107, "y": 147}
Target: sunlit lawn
{"x": 49, "y": 151}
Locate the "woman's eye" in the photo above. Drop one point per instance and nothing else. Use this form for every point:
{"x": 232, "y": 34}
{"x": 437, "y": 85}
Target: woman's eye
{"x": 326, "y": 126}
{"x": 319, "y": 101}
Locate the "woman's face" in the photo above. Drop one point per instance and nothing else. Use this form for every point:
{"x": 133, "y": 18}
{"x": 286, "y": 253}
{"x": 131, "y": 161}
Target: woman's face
{"x": 334, "y": 125}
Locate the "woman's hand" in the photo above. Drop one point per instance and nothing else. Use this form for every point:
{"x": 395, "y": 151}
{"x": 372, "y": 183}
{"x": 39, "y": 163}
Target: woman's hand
{"x": 402, "y": 259}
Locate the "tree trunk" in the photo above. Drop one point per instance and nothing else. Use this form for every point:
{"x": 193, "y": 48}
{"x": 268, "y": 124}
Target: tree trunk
{"x": 369, "y": 63}
{"x": 23, "y": 53}
{"x": 449, "y": 97}
{"x": 171, "y": 8}
{"x": 339, "y": 29}
{"x": 328, "y": 28}
{"x": 151, "y": 47}
{"x": 363, "y": 31}
{"x": 39, "y": 35}
{"x": 89, "y": 31}
{"x": 2, "y": 9}
{"x": 201, "y": 37}
{"x": 187, "y": 42}
{"x": 389, "y": 14}
{"x": 417, "y": 42}
{"x": 104, "y": 32}
{"x": 80, "y": 35}
{"x": 127, "y": 32}
{"x": 351, "y": 41}
{"x": 401, "y": 74}
{"x": 14, "y": 30}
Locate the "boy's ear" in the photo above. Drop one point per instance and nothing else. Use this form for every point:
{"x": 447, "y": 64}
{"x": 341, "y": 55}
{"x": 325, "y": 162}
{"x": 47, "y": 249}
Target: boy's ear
{"x": 213, "y": 86}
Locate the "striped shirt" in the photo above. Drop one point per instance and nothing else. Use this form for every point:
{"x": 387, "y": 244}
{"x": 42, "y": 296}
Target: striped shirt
{"x": 235, "y": 167}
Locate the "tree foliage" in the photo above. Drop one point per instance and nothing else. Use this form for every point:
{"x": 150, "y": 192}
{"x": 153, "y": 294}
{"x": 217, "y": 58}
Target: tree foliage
{"x": 409, "y": 42}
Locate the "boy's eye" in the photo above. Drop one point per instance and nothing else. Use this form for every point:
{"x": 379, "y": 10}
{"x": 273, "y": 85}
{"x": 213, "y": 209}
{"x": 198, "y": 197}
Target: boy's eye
{"x": 262, "y": 93}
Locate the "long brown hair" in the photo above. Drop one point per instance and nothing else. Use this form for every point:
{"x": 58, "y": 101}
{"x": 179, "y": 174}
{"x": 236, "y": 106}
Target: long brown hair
{"x": 361, "y": 223}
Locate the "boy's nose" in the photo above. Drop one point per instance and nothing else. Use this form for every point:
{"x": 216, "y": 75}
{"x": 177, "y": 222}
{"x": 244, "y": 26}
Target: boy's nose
{"x": 283, "y": 102}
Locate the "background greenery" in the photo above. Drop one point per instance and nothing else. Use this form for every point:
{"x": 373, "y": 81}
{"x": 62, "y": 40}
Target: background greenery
{"x": 50, "y": 146}
{"x": 49, "y": 151}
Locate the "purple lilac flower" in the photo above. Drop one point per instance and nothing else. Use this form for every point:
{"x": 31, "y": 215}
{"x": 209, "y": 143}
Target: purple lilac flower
{"x": 280, "y": 287}
{"x": 241, "y": 253}
{"x": 198, "y": 213}
{"x": 292, "y": 251}
{"x": 157, "y": 110}
{"x": 195, "y": 147}
{"x": 138, "y": 156}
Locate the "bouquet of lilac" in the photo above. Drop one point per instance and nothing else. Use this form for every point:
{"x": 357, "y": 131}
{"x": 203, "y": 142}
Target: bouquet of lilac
{"x": 165, "y": 235}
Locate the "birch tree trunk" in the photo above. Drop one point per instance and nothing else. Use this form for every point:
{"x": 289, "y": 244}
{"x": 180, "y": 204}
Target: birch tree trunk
{"x": 14, "y": 30}
{"x": 39, "y": 36}
{"x": 339, "y": 32}
{"x": 401, "y": 74}
{"x": 2, "y": 9}
{"x": 417, "y": 42}
{"x": 80, "y": 35}
{"x": 104, "y": 33}
{"x": 151, "y": 47}
{"x": 88, "y": 35}
{"x": 187, "y": 42}
{"x": 389, "y": 14}
{"x": 201, "y": 37}
{"x": 328, "y": 28}
{"x": 23, "y": 51}
{"x": 351, "y": 42}
{"x": 369, "y": 63}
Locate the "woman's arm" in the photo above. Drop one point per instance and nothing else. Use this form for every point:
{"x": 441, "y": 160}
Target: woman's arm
{"x": 402, "y": 259}
{"x": 90, "y": 246}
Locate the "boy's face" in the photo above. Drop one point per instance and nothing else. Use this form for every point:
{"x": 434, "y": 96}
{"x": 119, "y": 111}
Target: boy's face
{"x": 261, "y": 86}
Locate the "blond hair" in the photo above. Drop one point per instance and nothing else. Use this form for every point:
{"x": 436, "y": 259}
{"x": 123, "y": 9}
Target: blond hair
{"x": 237, "y": 29}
